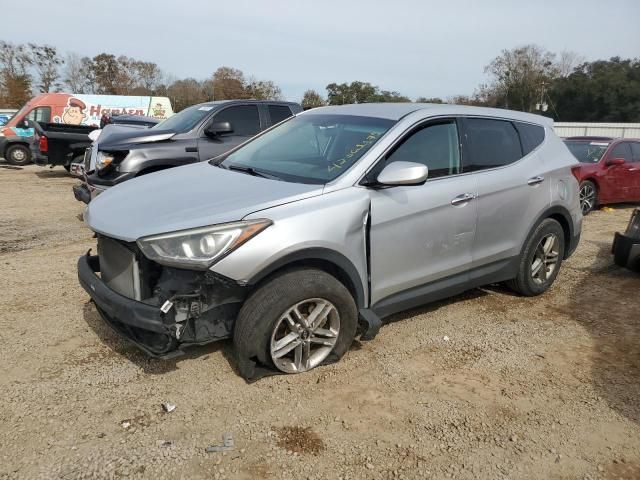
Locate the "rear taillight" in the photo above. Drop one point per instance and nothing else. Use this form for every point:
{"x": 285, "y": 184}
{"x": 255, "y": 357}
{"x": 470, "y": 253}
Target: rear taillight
{"x": 44, "y": 144}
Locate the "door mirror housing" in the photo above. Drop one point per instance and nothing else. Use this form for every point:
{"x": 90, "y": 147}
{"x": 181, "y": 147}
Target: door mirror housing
{"x": 616, "y": 161}
{"x": 403, "y": 173}
{"x": 218, "y": 128}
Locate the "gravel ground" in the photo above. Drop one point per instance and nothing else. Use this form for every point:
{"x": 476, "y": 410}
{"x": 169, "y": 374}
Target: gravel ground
{"x": 545, "y": 387}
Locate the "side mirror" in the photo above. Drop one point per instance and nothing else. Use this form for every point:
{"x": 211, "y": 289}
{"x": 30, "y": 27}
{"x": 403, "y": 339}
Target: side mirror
{"x": 615, "y": 161}
{"x": 403, "y": 173}
{"x": 218, "y": 128}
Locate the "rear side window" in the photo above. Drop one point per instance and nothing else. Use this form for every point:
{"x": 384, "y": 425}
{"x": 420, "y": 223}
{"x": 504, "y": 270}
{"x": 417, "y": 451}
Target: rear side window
{"x": 531, "y": 136}
{"x": 491, "y": 143}
{"x": 635, "y": 151}
{"x": 621, "y": 150}
{"x": 279, "y": 113}
{"x": 244, "y": 119}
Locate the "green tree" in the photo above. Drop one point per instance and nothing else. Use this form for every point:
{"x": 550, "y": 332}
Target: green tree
{"x": 600, "y": 91}
{"x": 15, "y": 79}
{"x": 262, "y": 90}
{"x": 312, "y": 99}
{"x": 429, "y": 100}
{"x": 360, "y": 92}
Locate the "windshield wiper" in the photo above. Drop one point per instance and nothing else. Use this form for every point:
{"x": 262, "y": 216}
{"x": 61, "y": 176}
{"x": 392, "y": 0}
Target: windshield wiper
{"x": 249, "y": 170}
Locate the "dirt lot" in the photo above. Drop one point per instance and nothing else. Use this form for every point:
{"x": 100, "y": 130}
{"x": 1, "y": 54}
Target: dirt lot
{"x": 535, "y": 388}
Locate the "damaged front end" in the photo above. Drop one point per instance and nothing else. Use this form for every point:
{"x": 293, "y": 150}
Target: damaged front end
{"x": 159, "y": 308}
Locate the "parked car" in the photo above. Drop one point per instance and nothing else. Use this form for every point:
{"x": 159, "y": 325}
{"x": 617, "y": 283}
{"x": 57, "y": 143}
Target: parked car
{"x": 626, "y": 246}
{"x": 609, "y": 170}
{"x": 4, "y": 118}
{"x": 337, "y": 215}
{"x": 71, "y": 109}
{"x": 195, "y": 134}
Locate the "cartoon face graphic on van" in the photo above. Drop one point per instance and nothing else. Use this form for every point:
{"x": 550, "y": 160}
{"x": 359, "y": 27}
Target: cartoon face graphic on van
{"x": 158, "y": 110}
{"x": 74, "y": 112}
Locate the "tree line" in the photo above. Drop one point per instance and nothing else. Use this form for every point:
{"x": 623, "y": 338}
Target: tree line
{"x": 527, "y": 78}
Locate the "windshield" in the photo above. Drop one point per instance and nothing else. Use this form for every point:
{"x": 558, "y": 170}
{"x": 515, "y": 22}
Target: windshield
{"x": 185, "y": 120}
{"x": 310, "y": 148}
{"x": 587, "y": 152}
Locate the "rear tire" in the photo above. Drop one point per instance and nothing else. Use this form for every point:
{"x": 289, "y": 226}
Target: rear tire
{"x": 541, "y": 259}
{"x": 276, "y": 322}
{"x": 588, "y": 196}
{"x": 18, "y": 155}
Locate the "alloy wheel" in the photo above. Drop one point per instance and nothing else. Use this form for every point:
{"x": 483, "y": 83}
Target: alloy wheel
{"x": 545, "y": 259}
{"x": 304, "y": 335}
{"x": 587, "y": 198}
{"x": 18, "y": 155}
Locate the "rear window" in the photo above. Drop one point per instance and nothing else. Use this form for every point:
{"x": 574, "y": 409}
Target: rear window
{"x": 587, "y": 152}
{"x": 531, "y": 136}
{"x": 279, "y": 113}
{"x": 492, "y": 143}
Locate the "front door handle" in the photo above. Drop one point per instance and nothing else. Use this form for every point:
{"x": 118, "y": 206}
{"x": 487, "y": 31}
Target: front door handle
{"x": 462, "y": 199}
{"x": 191, "y": 149}
{"x": 535, "y": 180}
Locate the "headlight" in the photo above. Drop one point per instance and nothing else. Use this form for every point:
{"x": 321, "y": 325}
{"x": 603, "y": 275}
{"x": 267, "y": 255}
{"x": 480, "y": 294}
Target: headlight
{"x": 200, "y": 247}
{"x": 103, "y": 160}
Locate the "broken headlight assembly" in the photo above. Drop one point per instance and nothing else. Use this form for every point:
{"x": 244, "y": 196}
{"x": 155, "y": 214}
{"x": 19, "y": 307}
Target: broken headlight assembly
{"x": 199, "y": 248}
{"x": 103, "y": 160}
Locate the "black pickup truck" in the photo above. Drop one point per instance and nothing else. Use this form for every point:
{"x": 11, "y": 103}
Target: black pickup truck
{"x": 195, "y": 134}
{"x": 59, "y": 143}
{"x": 63, "y": 144}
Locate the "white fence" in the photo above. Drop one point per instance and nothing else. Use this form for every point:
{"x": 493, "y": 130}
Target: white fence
{"x": 574, "y": 129}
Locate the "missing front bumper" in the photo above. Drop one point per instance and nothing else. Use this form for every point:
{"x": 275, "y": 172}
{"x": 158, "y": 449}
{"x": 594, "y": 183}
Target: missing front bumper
{"x": 165, "y": 334}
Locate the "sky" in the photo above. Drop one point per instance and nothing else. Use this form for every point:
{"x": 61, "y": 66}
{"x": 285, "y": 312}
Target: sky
{"x": 419, "y": 48}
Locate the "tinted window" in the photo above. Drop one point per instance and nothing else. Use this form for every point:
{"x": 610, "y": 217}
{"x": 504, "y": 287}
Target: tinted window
{"x": 40, "y": 114}
{"x": 279, "y": 113}
{"x": 491, "y": 143}
{"x": 531, "y": 136}
{"x": 635, "y": 151}
{"x": 621, "y": 150}
{"x": 244, "y": 119}
{"x": 435, "y": 146}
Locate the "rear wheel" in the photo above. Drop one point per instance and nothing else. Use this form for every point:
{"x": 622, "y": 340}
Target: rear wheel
{"x": 18, "y": 155}
{"x": 588, "y": 196}
{"x": 296, "y": 321}
{"x": 540, "y": 262}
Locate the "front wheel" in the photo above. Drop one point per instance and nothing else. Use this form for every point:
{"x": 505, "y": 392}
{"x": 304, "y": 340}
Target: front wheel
{"x": 588, "y": 196}
{"x": 296, "y": 321}
{"x": 540, "y": 262}
{"x": 18, "y": 155}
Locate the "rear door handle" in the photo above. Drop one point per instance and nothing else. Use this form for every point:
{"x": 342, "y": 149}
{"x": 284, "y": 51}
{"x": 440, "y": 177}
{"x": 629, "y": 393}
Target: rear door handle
{"x": 535, "y": 180}
{"x": 191, "y": 149}
{"x": 461, "y": 199}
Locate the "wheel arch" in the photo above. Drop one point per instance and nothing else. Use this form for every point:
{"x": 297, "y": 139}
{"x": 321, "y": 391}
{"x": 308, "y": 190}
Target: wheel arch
{"x": 329, "y": 261}
{"x": 13, "y": 143}
{"x": 561, "y": 215}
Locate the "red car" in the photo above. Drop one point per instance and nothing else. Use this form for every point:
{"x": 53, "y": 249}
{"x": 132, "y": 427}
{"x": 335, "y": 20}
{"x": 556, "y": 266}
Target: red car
{"x": 609, "y": 170}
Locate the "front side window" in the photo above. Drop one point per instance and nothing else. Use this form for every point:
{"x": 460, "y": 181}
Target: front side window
{"x": 244, "y": 119}
{"x": 491, "y": 143}
{"x": 436, "y": 146}
{"x": 40, "y": 114}
{"x": 312, "y": 148}
{"x": 587, "y": 152}
{"x": 621, "y": 150}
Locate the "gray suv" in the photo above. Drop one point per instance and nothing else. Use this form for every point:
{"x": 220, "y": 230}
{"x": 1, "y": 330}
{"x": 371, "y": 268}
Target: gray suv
{"x": 318, "y": 228}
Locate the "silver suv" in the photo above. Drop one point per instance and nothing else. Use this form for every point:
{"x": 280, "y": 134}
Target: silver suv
{"x": 318, "y": 228}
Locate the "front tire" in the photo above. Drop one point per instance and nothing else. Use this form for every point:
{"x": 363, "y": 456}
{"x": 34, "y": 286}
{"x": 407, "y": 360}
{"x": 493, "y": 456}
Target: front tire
{"x": 18, "y": 155}
{"x": 541, "y": 259}
{"x": 588, "y": 196}
{"x": 296, "y": 321}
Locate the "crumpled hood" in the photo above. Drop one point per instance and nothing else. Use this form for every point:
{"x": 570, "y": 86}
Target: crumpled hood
{"x": 186, "y": 197}
{"x": 118, "y": 136}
